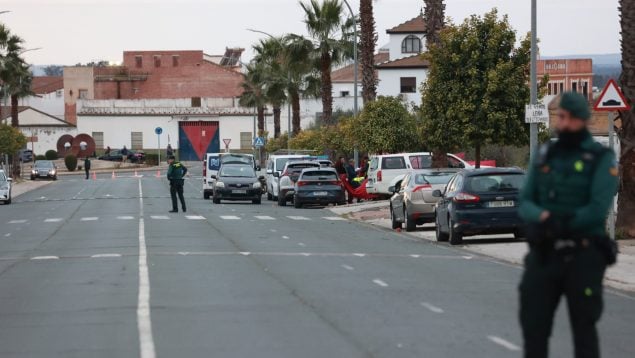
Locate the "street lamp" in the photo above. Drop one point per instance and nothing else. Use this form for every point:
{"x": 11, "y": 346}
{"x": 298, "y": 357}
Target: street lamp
{"x": 533, "y": 127}
{"x": 355, "y": 74}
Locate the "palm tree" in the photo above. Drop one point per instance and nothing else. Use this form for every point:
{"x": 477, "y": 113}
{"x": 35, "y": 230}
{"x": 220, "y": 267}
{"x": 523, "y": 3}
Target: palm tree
{"x": 330, "y": 32}
{"x": 269, "y": 54}
{"x": 626, "y": 202}
{"x": 367, "y": 44}
{"x": 303, "y": 77}
{"x": 253, "y": 93}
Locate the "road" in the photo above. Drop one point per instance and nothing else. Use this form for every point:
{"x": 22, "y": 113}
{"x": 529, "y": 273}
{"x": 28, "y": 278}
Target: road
{"x": 98, "y": 268}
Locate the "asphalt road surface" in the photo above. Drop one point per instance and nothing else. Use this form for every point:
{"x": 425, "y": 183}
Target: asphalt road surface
{"x": 99, "y": 268}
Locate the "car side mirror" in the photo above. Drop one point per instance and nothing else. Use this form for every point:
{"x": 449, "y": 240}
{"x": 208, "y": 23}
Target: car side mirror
{"x": 276, "y": 175}
{"x": 391, "y": 189}
{"x": 437, "y": 194}
{"x": 269, "y": 171}
{"x": 10, "y": 179}
{"x": 213, "y": 177}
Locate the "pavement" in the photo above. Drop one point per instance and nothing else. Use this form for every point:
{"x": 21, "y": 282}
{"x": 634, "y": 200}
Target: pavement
{"x": 99, "y": 268}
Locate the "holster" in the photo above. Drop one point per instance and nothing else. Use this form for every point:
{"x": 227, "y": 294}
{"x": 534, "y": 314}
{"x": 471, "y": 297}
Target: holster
{"x": 608, "y": 247}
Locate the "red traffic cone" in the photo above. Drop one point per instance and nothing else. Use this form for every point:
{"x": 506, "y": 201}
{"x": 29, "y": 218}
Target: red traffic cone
{"x": 94, "y": 176}
{"x": 135, "y": 174}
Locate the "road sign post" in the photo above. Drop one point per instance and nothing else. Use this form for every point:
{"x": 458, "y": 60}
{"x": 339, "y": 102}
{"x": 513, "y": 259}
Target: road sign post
{"x": 158, "y": 131}
{"x": 227, "y": 141}
{"x": 259, "y": 142}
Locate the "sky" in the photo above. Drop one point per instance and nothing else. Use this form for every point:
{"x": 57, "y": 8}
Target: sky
{"x": 72, "y": 31}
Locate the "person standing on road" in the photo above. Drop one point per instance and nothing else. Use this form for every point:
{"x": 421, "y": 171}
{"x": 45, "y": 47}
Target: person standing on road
{"x": 169, "y": 151}
{"x": 87, "y": 167}
{"x": 176, "y": 173}
{"x": 124, "y": 154}
{"x": 569, "y": 190}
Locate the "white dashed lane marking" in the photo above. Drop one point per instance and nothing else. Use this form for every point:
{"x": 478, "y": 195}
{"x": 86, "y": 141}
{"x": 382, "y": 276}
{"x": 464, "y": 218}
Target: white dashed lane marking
{"x": 359, "y": 255}
{"x": 53, "y": 220}
{"x": 99, "y": 256}
{"x": 194, "y": 217}
{"x": 301, "y": 244}
{"x": 504, "y": 343}
{"x": 379, "y": 282}
{"x": 432, "y": 307}
{"x": 159, "y": 217}
{"x": 17, "y": 221}
{"x": 334, "y": 218}
{"x": 125, "y": 217}
{"x": 90, "y": 218}
{"x": 298, "y": 218}
{"x": 7, "y": 234}
{"x": 285, "y": 237}
{"x": 44, "y": 258}
{"x": 229, "y": 217}
{"x": 350, "y": 268}
{"x": 265, "y": 218}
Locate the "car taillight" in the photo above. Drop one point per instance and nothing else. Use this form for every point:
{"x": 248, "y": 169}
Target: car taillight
{"x": 204, "y": 172}
{"x": 335, "y": 182}
{"x": 421, "y": 187}
{"x": 466, "y": 198}
{"x": 379, "y": 177}
{"x": 302, "y": 183}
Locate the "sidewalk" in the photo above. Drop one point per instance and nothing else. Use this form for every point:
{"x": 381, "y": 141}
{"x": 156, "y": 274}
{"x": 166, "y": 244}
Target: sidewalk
{"x": 501, "y": 247}
{"x": 24, "y": 186}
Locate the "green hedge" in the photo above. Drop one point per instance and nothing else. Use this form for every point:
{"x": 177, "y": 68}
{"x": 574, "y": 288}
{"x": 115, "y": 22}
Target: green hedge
{"x": 51, "y": 155}
{"x": 71, "y": 162}
{"x": 40, "y": 157}
{"x": 152, "y": 159}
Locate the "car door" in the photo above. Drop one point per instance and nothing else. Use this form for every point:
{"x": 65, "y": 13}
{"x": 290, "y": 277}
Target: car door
{"x": 398, "y": 198}
{"x": 442, "y": 206}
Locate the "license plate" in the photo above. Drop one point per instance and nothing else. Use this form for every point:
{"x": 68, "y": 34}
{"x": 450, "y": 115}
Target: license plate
{"x": 239, "y": 191}
{"x": 501, "y": 204}
{"x": 320, "y": 193}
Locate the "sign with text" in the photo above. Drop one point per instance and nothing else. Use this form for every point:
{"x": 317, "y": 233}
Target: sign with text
{"x": 536, "y": 113}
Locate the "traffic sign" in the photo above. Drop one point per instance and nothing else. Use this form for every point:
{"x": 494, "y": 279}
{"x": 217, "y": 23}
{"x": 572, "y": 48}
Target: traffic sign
{"x": 536, "y": 113}
{"x": 158, "y": 130}
{"x": 612, "y": 99}
{"x": 227, "y": 141}
{"x": 259, "y": 142}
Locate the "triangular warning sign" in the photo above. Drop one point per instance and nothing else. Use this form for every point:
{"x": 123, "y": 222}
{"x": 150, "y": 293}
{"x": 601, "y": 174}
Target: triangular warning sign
{"x": 612, "y": 99}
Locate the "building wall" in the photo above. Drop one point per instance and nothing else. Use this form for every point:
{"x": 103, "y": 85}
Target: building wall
{"x": 394, "y": 45}
{"x": 51, "y": 103}
{"x": 564, "y": 73}
{"x": 47, "y": 137}
{"x": 76, "y": 79}
{"x": 390, "y": 83}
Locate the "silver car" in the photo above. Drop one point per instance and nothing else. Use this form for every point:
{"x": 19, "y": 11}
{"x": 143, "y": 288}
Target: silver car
{"x": 412, "y": 203}
{"x": 5, "y": 188}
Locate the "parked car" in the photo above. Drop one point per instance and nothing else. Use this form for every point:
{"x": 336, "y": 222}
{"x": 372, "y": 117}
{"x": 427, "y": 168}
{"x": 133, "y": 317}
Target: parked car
{"x": 290, "y": 174}
{"x": 479, "y": 202}
{"x": 236, "y": 182}
{"x": 212, "y": 163}
{"x": 44, "y": 169}
{"x": 413, "y": 203}
{"x": 25, "y": 155}
{"x": 383, "y": 169}
{"x": 276, "y": 164}
{"x": 5, "y": 188}
{"x": 115, "y": 155}
{"x": 320, "y": 186}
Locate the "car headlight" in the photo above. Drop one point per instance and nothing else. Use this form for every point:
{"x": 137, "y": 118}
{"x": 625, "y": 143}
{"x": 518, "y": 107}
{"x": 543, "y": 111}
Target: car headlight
{"x": 257, "y": 185}
{"x": 220, "y": 184}
{"x": 33, "y": 171}
{"x": 52, "y": 172}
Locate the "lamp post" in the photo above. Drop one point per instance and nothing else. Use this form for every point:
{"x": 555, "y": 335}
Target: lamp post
{"x": 533, "y": 127}
{"x": 355, "y": 74}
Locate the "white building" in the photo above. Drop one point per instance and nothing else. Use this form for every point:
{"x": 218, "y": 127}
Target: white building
{"x": 48, "y": 95}
{"x": 42, "y": 130}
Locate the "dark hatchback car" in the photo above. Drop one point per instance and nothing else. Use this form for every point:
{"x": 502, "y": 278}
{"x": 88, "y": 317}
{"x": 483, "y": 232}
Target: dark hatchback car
{"x": 44, "y": 169}
{"x": 115, "y": 155}
{"x": 479, "y": 202}
{"x": 237, "y": 182}
{"x": 319, "y": 186}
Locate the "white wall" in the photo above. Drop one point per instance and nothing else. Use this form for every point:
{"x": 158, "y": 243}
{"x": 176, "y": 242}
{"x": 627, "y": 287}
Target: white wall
{"x": 394, "y": 45}
{"x": 390, "y": 83}
{"x": 47, "y": 137}
{"x": 49, "y": 103}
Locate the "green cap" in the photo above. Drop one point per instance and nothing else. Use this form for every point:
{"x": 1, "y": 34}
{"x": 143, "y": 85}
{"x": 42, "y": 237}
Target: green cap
{"x": 576, "y": 104}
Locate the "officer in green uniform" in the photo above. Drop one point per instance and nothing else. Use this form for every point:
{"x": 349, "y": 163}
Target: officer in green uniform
{"x": 176, "y": 173}
{"x": 570, "y": 187}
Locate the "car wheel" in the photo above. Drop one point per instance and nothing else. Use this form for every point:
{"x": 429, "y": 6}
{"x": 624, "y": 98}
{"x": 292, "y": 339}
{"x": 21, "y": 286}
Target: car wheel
{"x": 519, "y": 234}
{"x": 282, "y": 201}
{"x": 205, "y": 196}
{"x": 269, "y": 196}
{"x": 395, "y": 223}
{"x": 297, "y": 204}
{"x": 411, "y": 225}
{"x": 256, "y": 201}
{"x": 216, "y": 200}
{"x": 55, "y": 177}
{"x": 7, "y": 202}
{"x": 441, "y": 236}
{"x": 456, "y": 238}
{"x": 32, "y": 177}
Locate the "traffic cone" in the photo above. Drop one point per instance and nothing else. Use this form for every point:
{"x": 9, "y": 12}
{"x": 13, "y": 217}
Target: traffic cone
{"x": 94, "y": 176}
{"x": 114, "y": 176}
{"x": 135, "y": 174}
{"x": 158, "y": 173}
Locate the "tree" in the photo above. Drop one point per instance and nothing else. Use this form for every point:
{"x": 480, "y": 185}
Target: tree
{"x": 54, "y": 70}
{"x": 477, "y": 86}
{"x": 11, "y": 140}
{"x": 367, "y": 44}
{"x": 386, "y": 126}
{"x": 269, "y": 54}
{"x": 331, "y": 33}
{"x": 626, "y": 202}
{"x": 253, "y": 95}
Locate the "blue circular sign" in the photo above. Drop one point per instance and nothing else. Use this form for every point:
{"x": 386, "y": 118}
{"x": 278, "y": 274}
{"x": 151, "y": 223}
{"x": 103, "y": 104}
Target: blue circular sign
{"x": 158, "y": 130}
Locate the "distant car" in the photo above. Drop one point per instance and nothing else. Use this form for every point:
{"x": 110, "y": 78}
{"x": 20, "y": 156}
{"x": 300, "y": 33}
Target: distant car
{"x": 290, "y": 174}
{"x": 25, "y": 155}
{"x": 479, "y": 202}
{"x": 276, "y": 164}
{"x": 213, "y": 162}
{"x": 44, "y": 169}
{"x": 320, "y": 186}
{"x": 413, "y": 203}
{"x": 5, "y": 188}
{"x": 115, "y": 155}
{"x": 237, "y": 182}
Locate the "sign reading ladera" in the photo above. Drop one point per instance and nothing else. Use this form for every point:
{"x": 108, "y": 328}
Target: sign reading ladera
{"x": 536, "y": 113}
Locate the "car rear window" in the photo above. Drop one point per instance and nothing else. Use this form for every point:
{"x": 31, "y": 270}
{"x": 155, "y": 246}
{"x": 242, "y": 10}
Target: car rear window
{"x": 241, "y": 171}
{"x": 236, "y": 159}
{"x": 388, "y": 163}
{"x": 433, "y": 178}
{"x": 421, "y": 161}
{"x": 320, "y": 175}
{"x": 494, "y": 183}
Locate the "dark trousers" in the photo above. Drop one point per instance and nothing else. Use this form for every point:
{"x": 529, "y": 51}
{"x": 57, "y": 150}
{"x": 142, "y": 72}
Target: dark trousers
{"x": 578, "y": 276}
{"x": 177, "y": 188}
{"x": 87, "y": 173}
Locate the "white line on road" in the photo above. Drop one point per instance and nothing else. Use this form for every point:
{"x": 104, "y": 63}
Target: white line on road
{"x": 125, "y": 217}
{"x": 245, "y": 253}
{"x": 301, "y": 244}
{"x": 159, "y": 217}
{"x": 144, "y": 322}
{"x": 264, "y": 217}
{"x": 359, "y": 255}
{"x": 17, "y": 221}
{"x": 285, "y": 237}
{"x": 468, "y": 257}
{"x": 432, "y": 307}
{"x": 53, "y": 220}
{"x": 415, "y": 256}
{"x": 504, "y": 343}
{"x": 194, "y": 217}
{"x": 90, "y": 218}
{"x": 334, "y": 218}
{"x": 273, "y": 230}
{"x": 184, "y": 253}
{"x": 350, "y": 268}
{"x": 45, "y": 258}
{"x": 7, "y": 234}
{"x": 298, "y": 218}
{"x": 229, "y": 217}
{"x": 103, "y": 256}
{"x": 380, "y": 282}
{"x": 305, "y": 254}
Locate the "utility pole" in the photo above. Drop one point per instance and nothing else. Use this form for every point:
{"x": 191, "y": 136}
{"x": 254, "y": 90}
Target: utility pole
{"x": 533, "y": 127}
{"x": 355, "y": 75}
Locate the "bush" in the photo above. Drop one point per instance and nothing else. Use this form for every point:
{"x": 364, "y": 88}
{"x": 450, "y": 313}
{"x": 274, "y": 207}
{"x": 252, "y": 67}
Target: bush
{"x": 40, "y": 157}
{"x": 51, "y": 155}
{"x": 71, "y": 162}
{"x": 152, "y": 159}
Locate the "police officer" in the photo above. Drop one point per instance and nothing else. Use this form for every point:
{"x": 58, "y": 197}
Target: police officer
{"x": 176, "y": 173}
{"x": 87, "y": 167}
{"x": 565, "y": 201}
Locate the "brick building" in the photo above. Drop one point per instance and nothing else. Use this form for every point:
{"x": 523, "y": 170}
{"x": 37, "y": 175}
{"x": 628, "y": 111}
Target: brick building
{"x": 568, "y": 75}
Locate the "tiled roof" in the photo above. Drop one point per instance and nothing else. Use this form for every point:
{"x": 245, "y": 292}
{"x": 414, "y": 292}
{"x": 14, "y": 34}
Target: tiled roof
{"x": 346, "y": 74}
{"x": 158, "y": 111}
{"x": 416, "y": 25}
{"x": 47, "y": 84}
{"x": 415, "y": 61}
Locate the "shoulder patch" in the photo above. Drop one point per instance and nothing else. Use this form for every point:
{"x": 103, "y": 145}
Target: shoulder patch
{"x": 614, "y": 171}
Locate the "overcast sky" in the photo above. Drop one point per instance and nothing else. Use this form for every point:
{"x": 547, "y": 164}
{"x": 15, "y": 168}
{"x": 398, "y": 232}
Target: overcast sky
{"x": 71, "y": 31}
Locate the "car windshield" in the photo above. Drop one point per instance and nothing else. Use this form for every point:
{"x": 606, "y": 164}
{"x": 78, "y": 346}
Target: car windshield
{"x": 319, "y": 175}
{"x": 238, "y": 171}
{"x": 2, "y": 177}
{"x": 44, "y": 165}
{"x": 493, "y": 183}
{"x": 433, "y": 178}
{"x": 236, "y": 159}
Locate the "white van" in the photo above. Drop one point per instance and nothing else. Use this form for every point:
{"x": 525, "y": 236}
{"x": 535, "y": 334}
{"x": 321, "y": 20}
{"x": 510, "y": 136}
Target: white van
{"x": 213, "y": 162}
{"x": 276, "y": 164}
{"x": 383, "y": 169}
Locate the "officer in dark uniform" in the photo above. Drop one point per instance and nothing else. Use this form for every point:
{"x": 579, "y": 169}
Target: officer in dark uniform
{"x": 569, "y": 189}
{"x": 176, "y": 173}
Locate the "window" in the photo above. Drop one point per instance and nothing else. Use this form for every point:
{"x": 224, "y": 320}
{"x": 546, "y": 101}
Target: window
{"x": 175, "y": 60}
{"x": 59, "y": 93}
{"x": 585, "y": 89}
{"x": 420, "y": 161}
{"x": 196, "y": 101}
{"x": 83, "y": 94}
{"x": 561, "y": 87}
{"x": 138, "y": 60}
{"x": 245, "y": 140}
{"x": 393, "y": 163}
{"x": 157, "y": 60}
{"x": 98, "y": 137}
{"x": 345, "y": 93}
{"x": 574, "y": 87}
{"x": 411, "y": 44}
{"x": 136, "y": 140}
{"x": 408, "y": 85}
